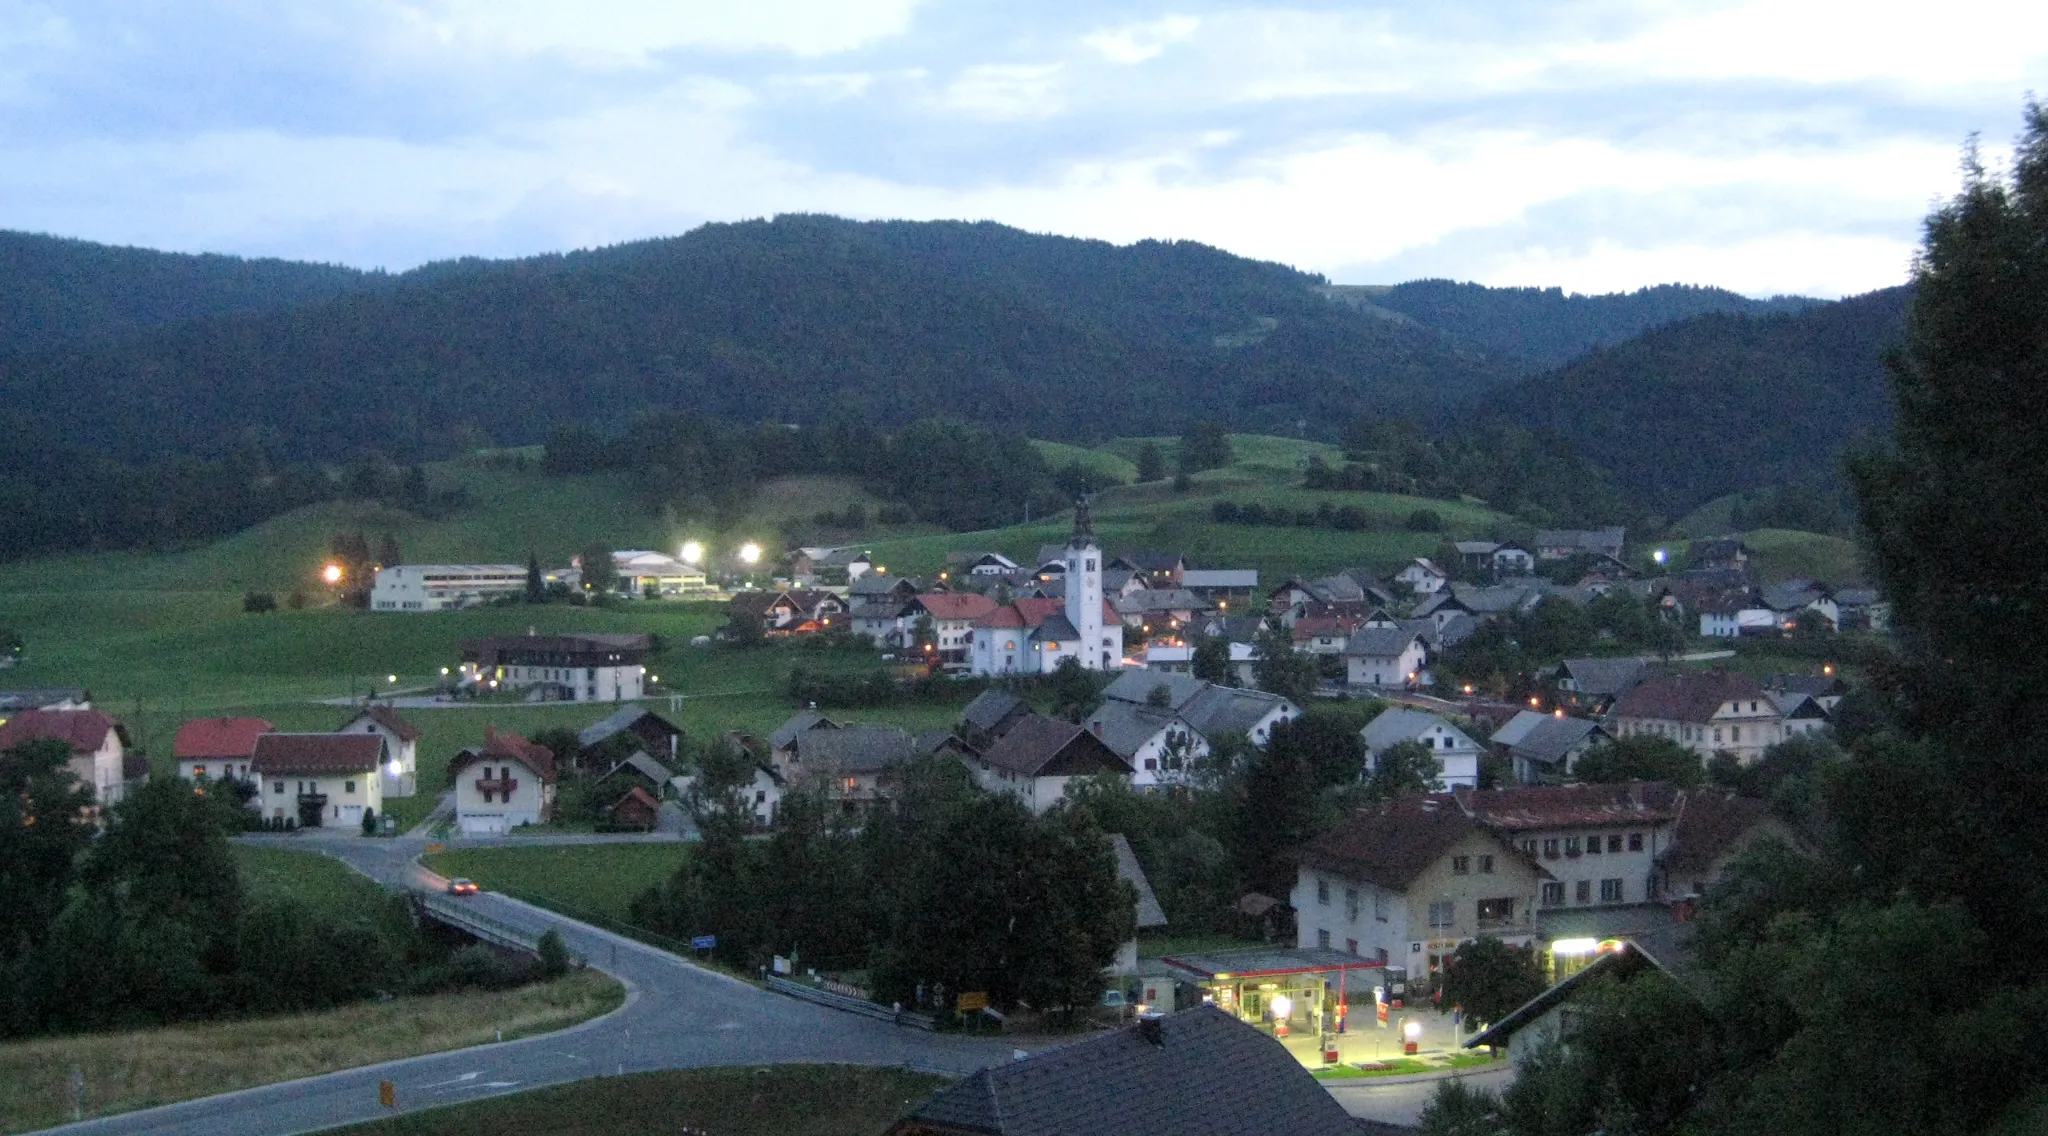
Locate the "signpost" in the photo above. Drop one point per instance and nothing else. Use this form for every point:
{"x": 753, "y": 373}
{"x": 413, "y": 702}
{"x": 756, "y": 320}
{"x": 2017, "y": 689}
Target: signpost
{"x": 970, "y": 1001}
{"x": 703, "y": 942}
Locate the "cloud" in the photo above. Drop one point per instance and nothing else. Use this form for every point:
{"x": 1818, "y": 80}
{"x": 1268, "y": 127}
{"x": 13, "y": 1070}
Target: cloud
{"x": 1136, "y": 43}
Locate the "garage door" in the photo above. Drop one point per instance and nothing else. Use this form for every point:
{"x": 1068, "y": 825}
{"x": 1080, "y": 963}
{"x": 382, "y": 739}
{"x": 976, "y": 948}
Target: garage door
{"x": 483, "y": 824}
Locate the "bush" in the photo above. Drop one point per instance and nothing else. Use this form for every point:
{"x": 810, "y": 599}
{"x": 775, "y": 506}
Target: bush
{"x": 554, "y": 957}
{"x": 369, "y": 821}
{"x": 1424, "y": 520}
{"x": 257, "y": 603}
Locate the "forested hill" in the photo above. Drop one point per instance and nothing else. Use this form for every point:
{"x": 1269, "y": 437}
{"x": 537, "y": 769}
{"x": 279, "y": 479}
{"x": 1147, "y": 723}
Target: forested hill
{"x": 1723, "y": 403}
{"x": 806, "y": 319}
{"x": 56, "y": 292}
{"x": 1536, "y": 329}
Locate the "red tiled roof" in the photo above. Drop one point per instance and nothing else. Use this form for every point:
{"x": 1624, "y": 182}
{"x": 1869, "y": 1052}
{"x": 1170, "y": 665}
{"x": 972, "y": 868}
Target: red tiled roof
{"x": 1568, "y": 806}
{"x": 956, "y": 605}
{"x": 1392, "y": 844}
{"x": 1310, "y": 628}
{"x": 218, "y": 737}
{"x": 1684, "y": 697}
{"x": 388, "y": 718}
{"x": 316, "y": 754}
{"x": 504, "y": 745}
{"x": 85, "y": 731}
{"x": 635, "y": 796}
{"x": 1033, "y": 612}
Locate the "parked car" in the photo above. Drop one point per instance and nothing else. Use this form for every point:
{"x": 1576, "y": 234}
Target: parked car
{"x": 462, "y": 887}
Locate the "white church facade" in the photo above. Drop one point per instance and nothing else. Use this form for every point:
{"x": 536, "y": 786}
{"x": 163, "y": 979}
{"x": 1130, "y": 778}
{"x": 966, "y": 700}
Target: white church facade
{"x": 1032, "y": 636}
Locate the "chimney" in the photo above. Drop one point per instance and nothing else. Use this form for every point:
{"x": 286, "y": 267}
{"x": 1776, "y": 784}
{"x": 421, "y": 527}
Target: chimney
{"x": 1152, "y": 1027}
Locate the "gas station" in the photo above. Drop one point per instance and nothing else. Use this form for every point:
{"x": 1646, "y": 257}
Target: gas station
{"x": 1326, "y": 1006}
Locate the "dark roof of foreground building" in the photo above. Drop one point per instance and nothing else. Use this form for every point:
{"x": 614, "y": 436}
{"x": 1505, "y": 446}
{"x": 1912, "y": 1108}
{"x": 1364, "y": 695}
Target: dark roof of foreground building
{"x": 1196, "y": 1073}
{"x": 1038, "y": 746}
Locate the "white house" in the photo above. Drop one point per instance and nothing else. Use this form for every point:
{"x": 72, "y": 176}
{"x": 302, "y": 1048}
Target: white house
{"x": 97, "y": 741}
{"x": 1512, "y": 560}
{"x": 216, "y": 749}
{"x": 1736, "y": 613}
{"x": 1422, "y": 577}
{"x": 1599, "y": 844}
{"x": 1708, "y": 712}
{"x": 507, "y": 782}
{"x": 1160, "y": 722}
{"x": 1457, "y": 755}
{"x": 641, "y": 571}
{"x": 1032, "y": 636}
{"x": 1037, "y": 757}
{"x": 319, "y": 780}
{"x": 565, "y": 668}
{"x": 1383, "y": 656}
{"x": 439, "y": 587}
{"x": 953, "y": 615}
{"x": 401, "y": 772}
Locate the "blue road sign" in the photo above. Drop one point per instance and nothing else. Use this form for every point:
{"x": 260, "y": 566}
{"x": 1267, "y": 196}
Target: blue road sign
{"x": 703, "y": 942}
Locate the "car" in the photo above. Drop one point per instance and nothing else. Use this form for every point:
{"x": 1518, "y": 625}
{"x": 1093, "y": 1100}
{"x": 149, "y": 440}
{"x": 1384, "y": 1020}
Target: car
{"x": 462, "y": 887}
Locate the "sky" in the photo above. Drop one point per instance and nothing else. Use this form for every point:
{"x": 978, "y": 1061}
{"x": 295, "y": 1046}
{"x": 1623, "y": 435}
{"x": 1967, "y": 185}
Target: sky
{"x": 1783, "y": 146}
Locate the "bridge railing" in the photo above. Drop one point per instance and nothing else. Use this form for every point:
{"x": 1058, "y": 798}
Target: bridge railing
{"x": 459, "y": 915}
{"x": 859, "y": 1006}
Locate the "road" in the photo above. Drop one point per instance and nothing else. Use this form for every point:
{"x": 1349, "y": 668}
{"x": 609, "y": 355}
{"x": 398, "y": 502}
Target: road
{"x": 1401, "y": 1101}
{"x": 677, "y": 1016}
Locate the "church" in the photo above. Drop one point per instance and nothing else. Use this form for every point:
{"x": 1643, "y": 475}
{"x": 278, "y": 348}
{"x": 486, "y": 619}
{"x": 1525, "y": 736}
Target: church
{"x": 1031, "y": 636}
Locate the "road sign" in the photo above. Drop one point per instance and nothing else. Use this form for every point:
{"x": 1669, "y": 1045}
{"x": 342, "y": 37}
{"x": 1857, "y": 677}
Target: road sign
{"x": 433, "y": 848}
{"x": 970, "y": 1001}
{"x": 387, "y": 1094}
{"x": 703, "y": 942}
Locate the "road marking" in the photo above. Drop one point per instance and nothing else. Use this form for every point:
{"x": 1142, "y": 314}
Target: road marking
{"x": 456, "y": 1081}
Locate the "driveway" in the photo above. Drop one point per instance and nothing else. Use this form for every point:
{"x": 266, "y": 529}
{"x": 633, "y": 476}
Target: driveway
{"x": 677, "y": 1016}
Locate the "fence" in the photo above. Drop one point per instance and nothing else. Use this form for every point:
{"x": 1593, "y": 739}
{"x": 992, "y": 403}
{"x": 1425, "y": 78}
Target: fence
{"x": 851, "y": 1005}
{"x": 482, "y": 926}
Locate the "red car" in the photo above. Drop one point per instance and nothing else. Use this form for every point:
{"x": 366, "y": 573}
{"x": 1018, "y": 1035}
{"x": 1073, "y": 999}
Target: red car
{"x": 462, "y": 887}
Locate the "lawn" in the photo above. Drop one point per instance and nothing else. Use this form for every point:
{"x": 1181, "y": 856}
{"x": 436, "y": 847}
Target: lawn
{"x": 788, "y": 1100}
{"x": 602, "y": 877}
{"x": 142, "y": 1068}
{"x": 322, "y": 883}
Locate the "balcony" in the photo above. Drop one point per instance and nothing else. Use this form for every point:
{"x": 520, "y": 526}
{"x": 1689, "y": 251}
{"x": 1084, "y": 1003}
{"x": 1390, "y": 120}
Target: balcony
{"x": 316, "y": 799}
{"x": 490, "y": 785}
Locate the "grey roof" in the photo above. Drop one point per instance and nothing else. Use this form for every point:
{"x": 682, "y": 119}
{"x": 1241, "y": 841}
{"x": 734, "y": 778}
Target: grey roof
{"x": 1626, "y": 959}
{"x": 1166, "y": 599}
{"x": 1038, "y": 746}
{"x": 1115, "y": 578}
{"x": 1220, "y": 578}
{"x": 1378, "y": 642}
{"x": 1126, "y": 726}
{"x": 887, "y": 607}
{"x": 1477, "y": 547}
{"x": 1150, "y": 914}
{"x": 13, "y": 700}
{"x": 645, "y": 766}
{"x": 799, "y": 724}
{"x": 1057, "y": 627}
{"x": 936, "y": 741}
{"x": 1552, "y": 738}
{"x": 1796, "y": 704}
{"x": 1794, "y": 594}
{"x": 1607, "y": 540}
{"x": 873, "y": 584}
{"x": 1819, "y": 686}
{"x": 1331, "y": 589}
{"x": 1223, "y": 710}
{"x": 1154, "y": 561}
{"x": 619, "y": 720}
{"x": 1136, "y": 686}
{"x": 1051, "y": 554}
{"x": 855, "y": 748}
{"x": 1857, "y": 597}
{"x": 1607, "y": 676}
{"x": 990, "y": 707}
{"x": 1399, "y": 724}
{"x": 1517, "y": 727}
{"x": 1207, "y": 1075}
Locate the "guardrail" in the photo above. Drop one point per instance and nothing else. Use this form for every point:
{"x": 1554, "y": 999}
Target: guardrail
{"x": 458, "y": 915}
{"x": 851, "y": 1005}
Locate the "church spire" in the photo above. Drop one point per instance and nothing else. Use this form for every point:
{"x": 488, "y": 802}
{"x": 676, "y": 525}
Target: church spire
{"x": 1084, "y": 517}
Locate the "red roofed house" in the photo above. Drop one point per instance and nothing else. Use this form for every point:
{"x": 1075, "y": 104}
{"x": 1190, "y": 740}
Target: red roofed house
{"x": 217, "y": 748}
{"x": 952, "y": 615}
{"x": 401, "y": 738}
{"x": 96, "y": 739}
{"x": 1704, "y": 711}
{"x": 318, "y": 779}
{"x": 508, "y": 782}
{"x": 1599, "y": 843}
{"x": 1033, "y": 636}
{"x": 637, "y": 809}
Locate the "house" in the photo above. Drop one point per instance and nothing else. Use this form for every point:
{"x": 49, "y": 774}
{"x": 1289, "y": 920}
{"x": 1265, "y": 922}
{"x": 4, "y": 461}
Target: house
{"x": 782, "y": 743}
{"x": 1862, "y": 609}
{"x": 1545, "y": 747}
{"x": 1167, "y": 657}
{"x": 1157, "y": 569}
{"x": 1794, "y": 598}
{"x": 513, "y": 784}
{"x": 852, "y": 764}
{"x": 1456, "y": 753}
{"x": 1705, "y": 711}
{"x": 559, "y": 668}
{"x": 953, "y": 616}
{"x": 1480, "y": 602}
{"x": 1732, "y": 612}
{"x": 1150, "y": 916}
{"x": 1221, "y": 584}
{"x": 1159, "y": 723}
{"x": 642, "y": 572}
{"x": 881, "y": 585}
{"x": 1712, "y": 829}
{"x": 1407, "y": 881}
{"x": 443, "y": 587}
{"x": 1228, "y": 711}
{"x": 1160, "y": 611}
{"x": 1563, "y": 544}
{"x": 1153, "y": 741}
{"x": 1548, "y": 1020}
{"x": 829, "y": 567}
{"x": 1511, "y": 559}
{"x": 1383, "y": 657}
{"x": 217, "y": 748}
{"x": 1825, "y": 689}
{"x": 989, "y": 717}
{"x": 1598, "y": 843}
{"x": 1422, "y": 577}
{"x": 651, "y": 732}
{"x": 1038, "y": 756}
{"x": 760, "y": 795}
{"x": 885, "y": 621}
{"x": 794, "y": 611}
{"x": 636, "y": 768}
{"x": 1590, "y": 686}
{"x": 1721, "y": 553}
{"x": 319, "y": 780}
{"x": 401, "y": 741}
{"x": 97, "y": 740}
{"x": 1033, "y": 636}
{"x": 1323, "y": 635}
{"x": 44, "y": 698}
{"x": 637, "y": 809}
{"x": 1200, "y": 1072}
{"x": 964, "y": 563}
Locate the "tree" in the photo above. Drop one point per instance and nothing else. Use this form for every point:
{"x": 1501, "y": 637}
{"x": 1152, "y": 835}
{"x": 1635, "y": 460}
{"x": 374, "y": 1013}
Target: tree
{"x": 388, "y": 555}
{"x": 1151, "y": 464}
{"x": 1642, "y": 757}
{"x": 600, "y": 572}
{"x": 1490, "y": 979}
{"x": 1277, "y": 809}
{"x": 369, "y": 821}
{"x": 1279, "y": 669}
{"x": 1403, "y": 769}
{"x": 554, "y": 956}
{"x": 165, "y": 854}
{"x": 924, "y": 635}
{"x": 39, "y": 845}
{"x": 1212, "y": 660}
{"x": 1075, "y": 690}
{"x": 1326, "y": 745}
{"x": 536, "y": 585}
{"x": 1205, "y": 445}
{"x": 11, "y": 644}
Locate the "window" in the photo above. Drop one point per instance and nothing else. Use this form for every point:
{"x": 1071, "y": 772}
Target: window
{"x": 1614, "y": 843}
{"x": 199, "y": 771}
{"x": 1553, "y": 895}
{"x": 1350, "y": 903}
{"x": 1443, "y": 913}
{"x": 1323, "y": 892}
{"x": 1486, "y": 865}
{"x": 1500, "y": 910}
{"x": 1582, "y": 892}
{"x": 1529, "y": 846}
{"x": 1635, "y": 842}
{"x": 1351, "y": 946}
{"x": 348, "y": 787}
{"x": 1571, "y": 845}
{"x": 1323, "y": 939}
{"x": 1610, "y": 891}
{"x": 1151, "y": 763}
{"x": 1592, "y": 846}
{"x": 1461, "y": 865}
{"x": 277, "y": 787}
{"x": 1717, "y": 734}
{"x": 1735, "y": 733}
{"x": 1379, "y": 907}
{"x": 1550, "y": 848}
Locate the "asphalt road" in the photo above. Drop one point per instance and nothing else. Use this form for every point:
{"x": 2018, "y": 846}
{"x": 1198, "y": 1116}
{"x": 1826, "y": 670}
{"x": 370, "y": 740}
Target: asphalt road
{"x": 1402, "y": 1102}
{"x": 677, "y": 1016}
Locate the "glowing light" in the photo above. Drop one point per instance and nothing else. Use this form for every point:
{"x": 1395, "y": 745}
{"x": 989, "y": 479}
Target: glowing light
{"x": 394, "y": 768}
{"x": 1411, "y": 1030}
{"x": 1532, "y": 701}
{"x": 1282, "y": 1005}
{"x": 391, "y": 678}
{"x": 1828, "y": 669}
{"x": 444, "y": 672}
{"x": 1468, "y": 688}
{"x": 750, "y": 552}
{"x": 693, "y": 551}
{"x": 331, "y": 573}
{"x": 1660, "y": 556}
{"x": 1557, "y": 713}
{"x": 1574, "y": 946}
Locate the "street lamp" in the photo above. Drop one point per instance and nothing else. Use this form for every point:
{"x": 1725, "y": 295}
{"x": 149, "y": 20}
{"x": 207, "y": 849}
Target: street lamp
{"x": 750, "y": 553}
{"x": 693, "y": 551}
{"x": 331, "y": 573}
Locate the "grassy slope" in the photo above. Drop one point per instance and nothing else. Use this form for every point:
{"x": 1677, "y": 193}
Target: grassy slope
{"x": 320, "y": 882}
{"x": 141, "y": 1068}
{"x": 604, "y": 877}
{"x": 798, "y": 1100}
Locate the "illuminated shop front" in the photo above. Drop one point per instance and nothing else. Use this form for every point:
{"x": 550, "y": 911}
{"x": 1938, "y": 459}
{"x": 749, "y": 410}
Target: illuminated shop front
{"x": 1288, "y": 992}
